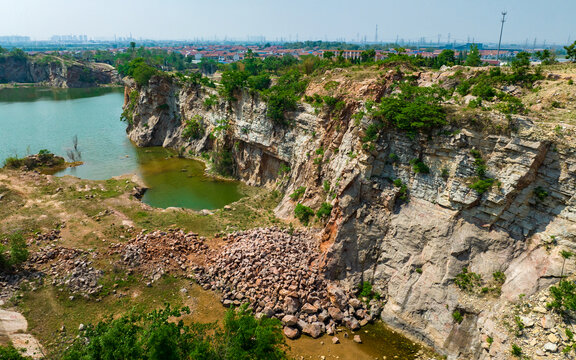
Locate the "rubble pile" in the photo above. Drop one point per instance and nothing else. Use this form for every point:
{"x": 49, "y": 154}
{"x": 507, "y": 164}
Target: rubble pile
{"x": 277, "y": 273}
{"x": 158, "y": 252}
{"x": 70, "y": 268}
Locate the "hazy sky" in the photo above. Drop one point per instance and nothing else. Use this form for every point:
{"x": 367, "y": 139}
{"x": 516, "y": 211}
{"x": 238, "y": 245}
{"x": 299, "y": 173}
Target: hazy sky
{"x": 550, "y": 20}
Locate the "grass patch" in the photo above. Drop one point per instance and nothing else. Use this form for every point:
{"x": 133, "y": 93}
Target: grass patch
{"x": 48, "y": 309}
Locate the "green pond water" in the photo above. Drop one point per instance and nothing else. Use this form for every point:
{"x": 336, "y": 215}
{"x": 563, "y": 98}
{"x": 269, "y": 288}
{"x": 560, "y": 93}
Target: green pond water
{"x": 33, "y": 118}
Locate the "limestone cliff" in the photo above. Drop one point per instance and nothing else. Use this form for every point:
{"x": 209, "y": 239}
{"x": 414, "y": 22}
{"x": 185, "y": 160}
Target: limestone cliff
{"x": 53, "y": 71}
{"x": 411, "y": 246}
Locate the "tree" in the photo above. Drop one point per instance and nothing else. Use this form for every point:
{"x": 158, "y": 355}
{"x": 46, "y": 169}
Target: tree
{"x": 368, "y": 55}
{"x": 446, "y": 57}
{"x": 328, "y": 55}
{"x": 565, "y": 256}
{"x": 571, "y": 52}
{"x": 546, "y": 56}
{"x": 2, "y": 50}
{"x": 473, "y": 58}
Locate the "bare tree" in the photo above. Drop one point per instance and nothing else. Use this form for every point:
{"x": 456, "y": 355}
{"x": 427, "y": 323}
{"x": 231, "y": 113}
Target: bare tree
{"x": 74, "y": 154}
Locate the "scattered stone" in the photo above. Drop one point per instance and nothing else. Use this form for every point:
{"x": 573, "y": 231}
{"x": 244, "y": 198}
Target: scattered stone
{"x": 527, "y": 321}
{"x": 540, "y": 309}
{"x": 335, "y": 340}
{"x": 81, "y": 327}
{"x": 357, "y": 339}
{"x": 552, "y": 338}
{"x": 550, "y": 347}
{"x": 548, "y": 321}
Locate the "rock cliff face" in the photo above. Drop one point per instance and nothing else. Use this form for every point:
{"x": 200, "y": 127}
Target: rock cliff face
{"x": 53, "y": 71}
{"x": 411, "y": 247}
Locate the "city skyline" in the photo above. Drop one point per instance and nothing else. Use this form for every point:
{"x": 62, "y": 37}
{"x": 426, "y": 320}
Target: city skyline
{"x": 412, "y": 20}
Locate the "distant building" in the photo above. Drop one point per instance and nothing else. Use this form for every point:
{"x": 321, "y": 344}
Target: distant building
{"x": 14, "y": 39}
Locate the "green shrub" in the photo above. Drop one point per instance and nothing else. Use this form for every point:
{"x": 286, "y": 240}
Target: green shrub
{"x": 297, "y": 194}
{"x": 13, "y": 162}
{"x": 563, "y": 296}
{"x": 516, "y": 350}
{"x": 365, "y": 290}
{"x": 210, "y": 102}
{"x": 141, "y": 71}
{"x": 371, "y": 132}
{"x": 482, "y": 185}
{"x": 331, "y": 85}
{"x": 540, "y": 193}
{"x": 9, "y": 352}
{"x": 445, "y": 173}
{"x": 18, "y": 249}
{"x": 393, "y": 158}
{"x": 303, "y": 213}
{"x": 484, "y": 91}
{"x": 499, "y": 277}
{"x": 403, "y": 193}
{"x": 128, "y": 112}
{"x": 194, "y": 128}
{"x": 326, "y": 186}
{"x": 468, "y": 281}
{"x": 464, "y": 88}
{"x": 284, "y": 169}
{"x": 419, "y": 167}
{"x": 4, "y": 261}
{"x": 223, "y": 162}
{"x": 414, "y": 108}
{"x": 324, "y": 211}
{"x": 156, "y": 336}
{"x": 259, "y": 82}
{"x": 283, "y": 97}
{"x": 457, "y": 316}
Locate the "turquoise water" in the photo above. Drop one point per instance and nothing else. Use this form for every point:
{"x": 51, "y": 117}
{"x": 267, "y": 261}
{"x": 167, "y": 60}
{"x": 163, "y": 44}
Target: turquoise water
{"x": 32, "y": 119}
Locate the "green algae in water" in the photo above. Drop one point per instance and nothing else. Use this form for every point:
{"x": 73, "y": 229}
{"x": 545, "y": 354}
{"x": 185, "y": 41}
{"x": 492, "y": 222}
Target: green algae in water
{"x": 180, "y": 182}
{"x": 34, "y": 118}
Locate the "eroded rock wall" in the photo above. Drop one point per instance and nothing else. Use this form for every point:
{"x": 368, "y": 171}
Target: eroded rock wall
{"x": 412, "y": 248}
{"x": 56, "y": 72}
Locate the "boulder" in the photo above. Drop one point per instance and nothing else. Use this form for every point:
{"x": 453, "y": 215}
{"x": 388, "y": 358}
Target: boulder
{"x": 290, "y": 320}
{"x": 314, "y": 330}
{"x": 309, "y": 309}
{"x": 335, "y": 313}
{"x": 291, "y": 332}
{"x": 337, "y": 296}
{"x": 351, "y": 323}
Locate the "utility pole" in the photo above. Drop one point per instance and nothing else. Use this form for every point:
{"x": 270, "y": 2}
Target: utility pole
{"x": 376, "y": 35}
{"x": 501, "y": 29}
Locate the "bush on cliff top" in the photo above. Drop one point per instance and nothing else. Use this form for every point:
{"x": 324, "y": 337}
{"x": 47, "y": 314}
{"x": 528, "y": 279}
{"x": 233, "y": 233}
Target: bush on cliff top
{"x": 139, "y": 70}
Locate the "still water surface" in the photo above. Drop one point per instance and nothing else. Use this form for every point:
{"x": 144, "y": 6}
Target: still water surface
{"x": 34, "y": 118}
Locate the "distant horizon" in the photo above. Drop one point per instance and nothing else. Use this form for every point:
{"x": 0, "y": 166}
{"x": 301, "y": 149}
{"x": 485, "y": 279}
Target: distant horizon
{"x": 373, "y": 21}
